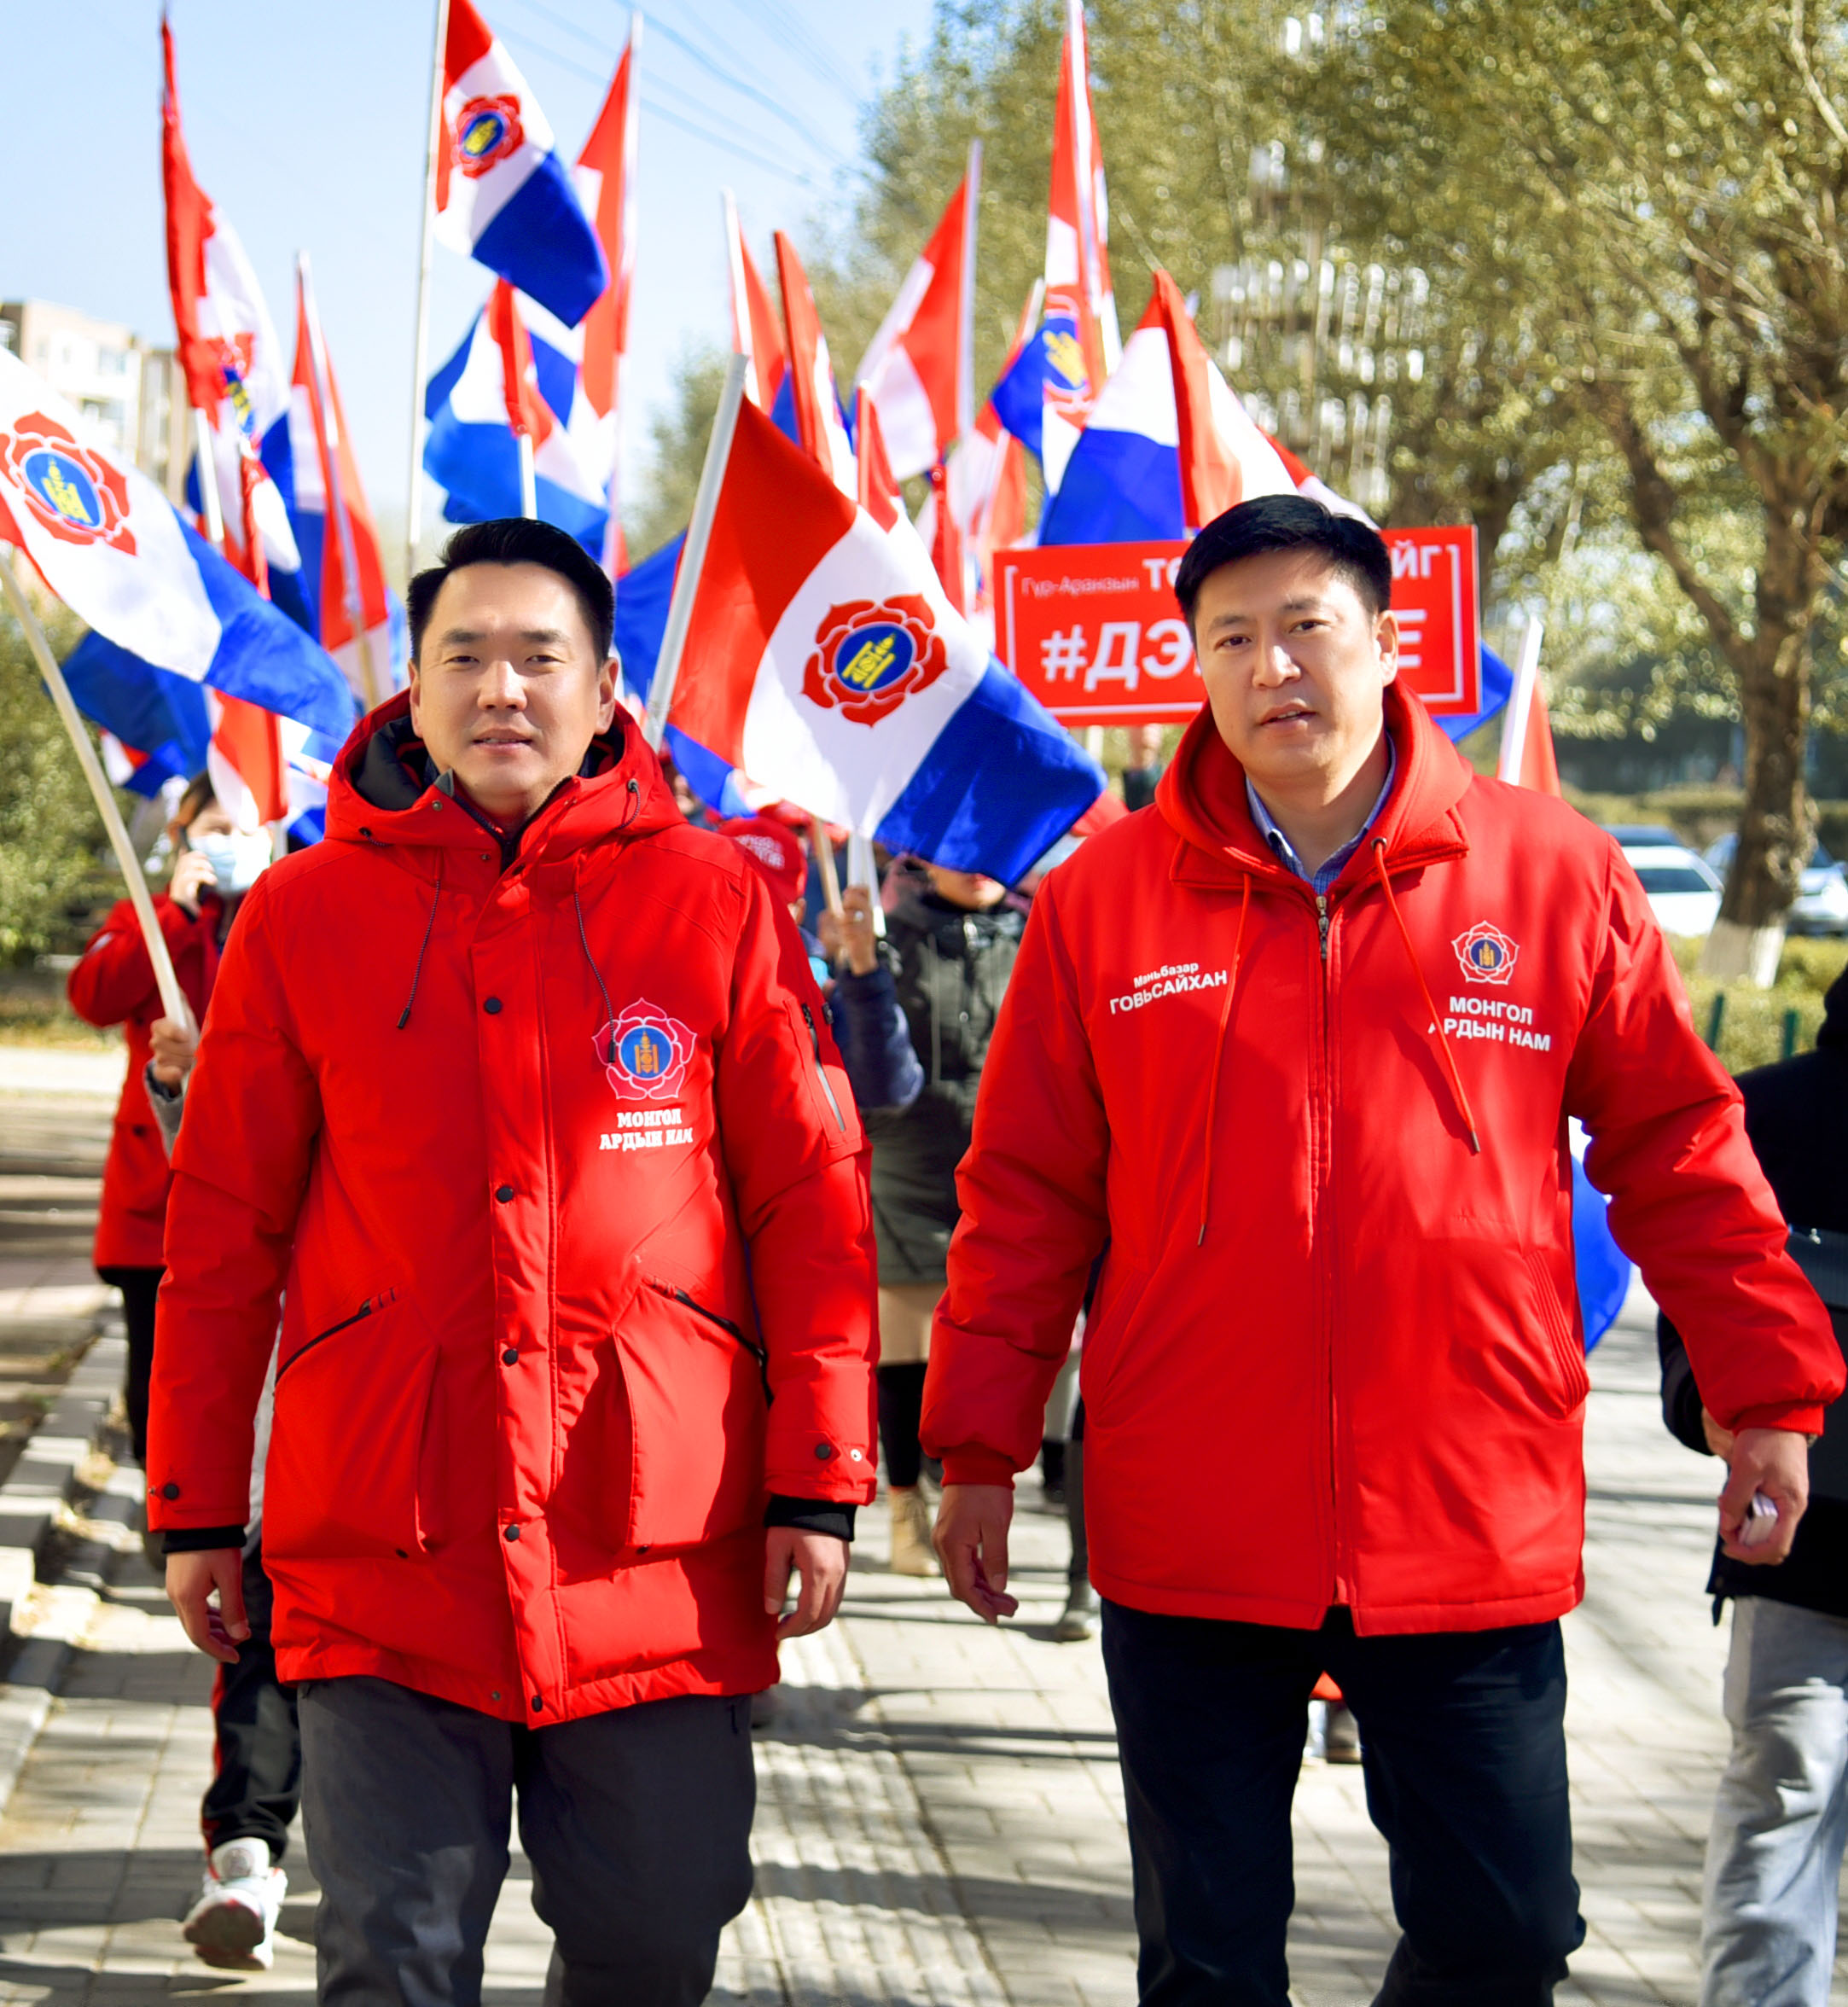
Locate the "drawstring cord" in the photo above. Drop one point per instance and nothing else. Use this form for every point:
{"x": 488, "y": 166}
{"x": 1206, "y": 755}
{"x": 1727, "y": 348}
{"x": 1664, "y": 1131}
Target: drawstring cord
{"x": 429, "y": 927}
{"x": 584, "y": 941}
{"x": 1437, "y": 1023}
{"x": 1218, "y": 1059}
{"x": 630, "y": 813}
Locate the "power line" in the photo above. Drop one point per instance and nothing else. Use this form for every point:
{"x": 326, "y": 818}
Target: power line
{"x": 724, "y": 140}
{"x": 805, "y": 132}
{"x": 795, "y": 35}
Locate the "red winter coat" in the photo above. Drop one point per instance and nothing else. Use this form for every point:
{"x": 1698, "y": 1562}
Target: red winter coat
{"x": 114, "y": 984}
{"x": 539, "y": 1299}
{"x": 1335, "y": 1356}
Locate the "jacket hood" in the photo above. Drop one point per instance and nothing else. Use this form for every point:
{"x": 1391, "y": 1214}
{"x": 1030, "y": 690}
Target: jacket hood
{"x": 1201, "y": 796}
{"x": 1832, "y": 1036}
{"x": 383, "y": 785}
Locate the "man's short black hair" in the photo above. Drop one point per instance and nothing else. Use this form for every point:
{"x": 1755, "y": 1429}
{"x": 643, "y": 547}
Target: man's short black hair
{"x": 1354, "y": 549}
{"x": 511, "y": 540}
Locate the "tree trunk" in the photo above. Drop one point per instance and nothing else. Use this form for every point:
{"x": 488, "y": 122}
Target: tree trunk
{"x": 1774, "y": 833}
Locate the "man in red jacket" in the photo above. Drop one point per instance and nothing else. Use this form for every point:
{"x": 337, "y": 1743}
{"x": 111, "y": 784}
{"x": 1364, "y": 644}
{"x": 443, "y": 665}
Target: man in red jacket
{"x": 1294, "y": 1052}
{"x": 522, "y": 1087}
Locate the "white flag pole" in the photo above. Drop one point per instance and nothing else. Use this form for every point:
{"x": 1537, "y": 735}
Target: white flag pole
{"x": 206, "y": 458}
{"x": 612, "y": 532}
{"x": 693, "y": 557}
{"x": 529, "y": 482}
{"x": 329, "y": 441}
{"x": 172, "y": 998}
{"x": 1520, "y": 702}
{"x": 421, "y": 344}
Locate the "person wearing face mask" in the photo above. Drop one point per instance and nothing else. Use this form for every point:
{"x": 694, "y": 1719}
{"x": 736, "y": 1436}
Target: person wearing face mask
{"x": 114, "y": 984}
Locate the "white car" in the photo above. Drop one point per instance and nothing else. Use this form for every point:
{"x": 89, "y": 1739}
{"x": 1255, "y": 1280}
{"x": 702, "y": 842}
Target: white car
{"x": 1683, "y": 889}
{"x": 1821, "y": 905}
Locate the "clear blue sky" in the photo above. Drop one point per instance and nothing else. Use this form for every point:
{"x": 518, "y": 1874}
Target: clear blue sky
{"x": 306, "y": 124}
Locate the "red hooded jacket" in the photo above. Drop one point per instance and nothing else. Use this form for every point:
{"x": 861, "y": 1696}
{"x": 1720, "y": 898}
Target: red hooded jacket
{"x": 114, "y": 984}
{"x": 563, "y": 1179}
{"x": 1335, "y": 1356}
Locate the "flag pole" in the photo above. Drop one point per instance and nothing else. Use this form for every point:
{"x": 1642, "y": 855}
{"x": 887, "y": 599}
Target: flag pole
{"x": 1520, "y": 701}
{"x": 693, "y": 556}
{"x": 529, "y": 482}
{"x": 207, "y": 460}
{"x": 328, "y": 438}
{"x": 613, "y": 534}
{"x": 824, "y": 862}
{"x": 421, "y": 344}
{"x": 172, "y": 998}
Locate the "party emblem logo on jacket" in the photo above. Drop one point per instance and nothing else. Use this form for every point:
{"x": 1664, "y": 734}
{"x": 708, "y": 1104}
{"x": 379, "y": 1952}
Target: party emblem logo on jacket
{"x": 1486, "y": 954}
{"x": 79, "y": 498}
{"x": 645, "y": 1053}
{"x": 871, "y": 654}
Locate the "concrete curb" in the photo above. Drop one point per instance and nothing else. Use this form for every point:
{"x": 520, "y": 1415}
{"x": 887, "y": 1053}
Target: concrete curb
{"x": 43, "y": 1482}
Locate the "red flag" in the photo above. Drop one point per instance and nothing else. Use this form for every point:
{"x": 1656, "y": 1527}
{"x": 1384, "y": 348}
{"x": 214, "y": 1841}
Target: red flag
{"x": 189, "y": 223}
{"x": 755, "y": 332}
{"x": 245, "y": 760}
{"x": 946, "y": 543}
{"x": 818, "y": 426}
{"x": 606, "y": 188}
{"x": 354, "y": 601}
{"x": 920, "y": 365}
{"x": 527, "y": 412}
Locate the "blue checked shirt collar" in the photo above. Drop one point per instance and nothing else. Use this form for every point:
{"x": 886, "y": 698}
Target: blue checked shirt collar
{"x": 1319, "y": 881}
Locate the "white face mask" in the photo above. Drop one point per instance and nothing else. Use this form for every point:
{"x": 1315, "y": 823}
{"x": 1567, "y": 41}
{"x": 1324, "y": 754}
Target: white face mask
{"x": 237, "y": 858}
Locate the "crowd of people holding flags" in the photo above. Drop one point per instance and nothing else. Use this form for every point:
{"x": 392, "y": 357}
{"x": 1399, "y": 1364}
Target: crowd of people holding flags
{"x": 543, "y": 1199}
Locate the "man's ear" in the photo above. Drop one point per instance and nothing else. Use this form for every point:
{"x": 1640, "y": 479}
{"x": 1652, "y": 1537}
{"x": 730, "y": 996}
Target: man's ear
{"x": 608, "y": 681}
{"x": 415, "y": 687}
{"x": 1386, "y": 634}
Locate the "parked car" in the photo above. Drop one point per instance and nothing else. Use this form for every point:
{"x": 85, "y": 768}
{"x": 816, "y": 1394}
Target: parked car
{"x": 1683, "y": 889}
{"x": 1821, "y": 905}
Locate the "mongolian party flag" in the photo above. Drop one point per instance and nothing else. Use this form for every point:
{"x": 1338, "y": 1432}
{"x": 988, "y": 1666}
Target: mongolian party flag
{"x": 607, "y": 184}
{"x": 516, "y": 375}
{"x": 503, "y": 197}
{"x": 755, "y": 332}
{"x": 818, "y": 427}
{"x": 920, "y": 366}
{"x": 823, "y": 659}
{"x": 353, "y": 605}
{"x": 1079, "y": 341}
{"x": 180, "y": 640}
{"x": 1167, "y": 447}
{"x": 233, "y": 363}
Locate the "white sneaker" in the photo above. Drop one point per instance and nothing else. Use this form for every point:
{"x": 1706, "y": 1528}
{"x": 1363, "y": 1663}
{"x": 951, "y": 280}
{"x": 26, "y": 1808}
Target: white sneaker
{"x": 232, "y": 1926}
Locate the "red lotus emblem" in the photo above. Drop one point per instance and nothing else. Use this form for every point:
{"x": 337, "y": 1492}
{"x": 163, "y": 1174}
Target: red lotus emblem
{"x": 871, "y": 654}
{"x": 487, "y": 129}
{"x": 645, "y": 1053}
{"x": 75, "y": 493}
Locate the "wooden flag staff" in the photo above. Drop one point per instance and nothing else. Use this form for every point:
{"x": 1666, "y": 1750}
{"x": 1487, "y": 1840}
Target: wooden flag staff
{"x": 172, "y": 998}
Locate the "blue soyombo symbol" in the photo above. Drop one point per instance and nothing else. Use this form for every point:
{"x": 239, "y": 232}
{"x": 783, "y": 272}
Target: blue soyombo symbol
{"x": 870, "y": 658}
{"x": 61, "y": 483}
{"x": 1487, "y": 954}
{"x": 482, "y": 134}
{"x": 645, "y": 1052}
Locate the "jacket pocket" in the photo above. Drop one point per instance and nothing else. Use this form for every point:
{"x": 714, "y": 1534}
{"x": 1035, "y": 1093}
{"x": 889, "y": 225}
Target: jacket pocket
{"x": 1567, "y": 1355}
{"x": 352, "y": 1408}
{"x": 693, "y": 1386}
{"x": 807, "y": 1034}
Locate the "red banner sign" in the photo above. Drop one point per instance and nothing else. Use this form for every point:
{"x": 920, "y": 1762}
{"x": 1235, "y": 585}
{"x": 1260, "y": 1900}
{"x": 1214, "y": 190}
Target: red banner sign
{"x": 1093, "y": 630}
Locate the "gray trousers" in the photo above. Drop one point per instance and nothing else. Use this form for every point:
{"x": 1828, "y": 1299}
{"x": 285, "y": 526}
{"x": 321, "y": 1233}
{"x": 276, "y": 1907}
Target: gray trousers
{"x": 636, "y": 1824}
{"x": 1781, "y": 1819}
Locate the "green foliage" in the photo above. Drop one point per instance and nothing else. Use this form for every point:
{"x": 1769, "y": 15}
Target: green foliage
{"x": 1753, "y": 1022}
{"x": 55, "y": 867}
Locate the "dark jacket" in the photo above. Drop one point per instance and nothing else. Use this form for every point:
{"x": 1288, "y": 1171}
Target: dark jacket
{"x": 949, "y": 970}
{"x": 1796, "y": 1117}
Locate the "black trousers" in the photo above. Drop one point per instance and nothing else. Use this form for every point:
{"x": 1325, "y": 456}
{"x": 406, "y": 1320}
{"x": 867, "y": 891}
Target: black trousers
{"x": 1463, "y": 1736}
{"x": 139, "y": 1287}
{"x": 256, "y": 1781}
{"x": 637, "y": 1823}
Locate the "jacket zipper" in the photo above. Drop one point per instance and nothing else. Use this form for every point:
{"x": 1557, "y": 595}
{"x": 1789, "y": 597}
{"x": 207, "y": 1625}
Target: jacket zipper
{"x": 760, "y": 1351}
{"x": 365, "y": 1310}
{"x": 821, "y": 1072}
{"x": 1325, "y": 1232}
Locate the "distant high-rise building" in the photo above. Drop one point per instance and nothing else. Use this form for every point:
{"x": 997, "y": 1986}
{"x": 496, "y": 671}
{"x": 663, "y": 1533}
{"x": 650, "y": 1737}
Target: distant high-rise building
{"x": 130, "y": 398}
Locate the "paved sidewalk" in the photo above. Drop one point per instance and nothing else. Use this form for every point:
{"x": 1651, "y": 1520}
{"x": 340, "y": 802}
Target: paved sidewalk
{"x": 940, "y": 1818}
